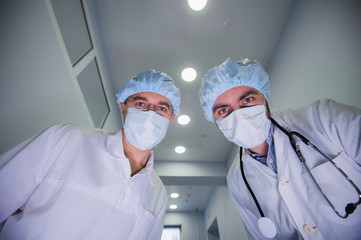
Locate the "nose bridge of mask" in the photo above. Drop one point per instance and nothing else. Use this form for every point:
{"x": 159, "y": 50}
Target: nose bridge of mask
{"x": 253, "y": 111}
{"x": 141, "y": 113}
{"x": 229, "y": 121}
{"x": 140, "y": 109}
{"x": 160, "y": 121}
{"x": 226, "y": 123}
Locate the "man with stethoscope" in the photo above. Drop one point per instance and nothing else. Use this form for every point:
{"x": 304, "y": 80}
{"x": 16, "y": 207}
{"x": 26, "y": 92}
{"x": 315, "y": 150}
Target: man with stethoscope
{"x": 298, "y": 173}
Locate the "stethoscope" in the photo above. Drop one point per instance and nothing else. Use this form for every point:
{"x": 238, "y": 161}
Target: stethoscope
{"x": 265, "y": 225}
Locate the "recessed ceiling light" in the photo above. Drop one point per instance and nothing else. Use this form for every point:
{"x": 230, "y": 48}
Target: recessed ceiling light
{"x": 183, "y": 119}
{"x": 180, "y": 149}
{"x": 173, "y": 206}
{"x": 197, "y": 5}
{"x": 174, "y": 195}
{"x": 189, "y": 74}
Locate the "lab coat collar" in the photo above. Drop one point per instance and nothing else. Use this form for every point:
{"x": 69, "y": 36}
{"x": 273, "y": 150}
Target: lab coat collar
{"x": 148, "y": 170}
{"x": 114, "y": 146}
{"x": 280, "y": 121}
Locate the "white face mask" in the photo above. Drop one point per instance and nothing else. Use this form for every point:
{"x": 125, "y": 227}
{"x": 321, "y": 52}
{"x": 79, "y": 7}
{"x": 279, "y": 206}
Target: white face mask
{"x": 246, "y": 127}
{"x": 144, "y": 129}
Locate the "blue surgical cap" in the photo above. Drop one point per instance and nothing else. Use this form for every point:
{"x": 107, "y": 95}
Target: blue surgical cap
{"x": 228, "y": 75}
{"x": 151, "y": 81}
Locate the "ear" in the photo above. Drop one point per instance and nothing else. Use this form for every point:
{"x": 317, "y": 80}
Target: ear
{"x": 122, "y": 106}
{"x": 171, "y": 119}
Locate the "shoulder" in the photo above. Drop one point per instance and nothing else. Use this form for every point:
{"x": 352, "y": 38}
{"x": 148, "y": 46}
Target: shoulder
{"x": 73, "y": 132}
{"x": 66, "y": 127}
{"x": 320, "y": 112}
{"x": 156, "y": 181}
{"x": 320, "y": 106}
{"x": 74, "y": 128}
{"x": 332, "y": 125}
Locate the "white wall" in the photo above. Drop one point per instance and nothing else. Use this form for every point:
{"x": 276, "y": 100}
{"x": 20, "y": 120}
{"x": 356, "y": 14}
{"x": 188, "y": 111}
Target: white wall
{"x": 230, "y": 223}
{"x": 192, "y": 224}
{"x": 38, "y": 88}
{"x": 318, "y": 55}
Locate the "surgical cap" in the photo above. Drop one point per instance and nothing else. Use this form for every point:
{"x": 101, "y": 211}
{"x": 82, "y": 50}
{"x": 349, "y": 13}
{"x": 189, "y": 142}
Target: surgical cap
{"x": 228, "y": 75}
{"x": 151, "y": 81}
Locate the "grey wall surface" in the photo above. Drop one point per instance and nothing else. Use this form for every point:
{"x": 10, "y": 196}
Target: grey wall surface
{"x": 318, "y": 55}
{"x": 192, "y": 224}
{"x": 230, "y": 223}
{"x": 38, "y": 86}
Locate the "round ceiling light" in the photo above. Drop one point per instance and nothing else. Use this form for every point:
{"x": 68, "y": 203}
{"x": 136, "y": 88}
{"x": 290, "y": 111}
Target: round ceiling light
{"x": 174, "y": 195}
{"x": 183, "y": 119}
{"x": 173, "y": 206}
{"x": 180, "y": 149}
{"x": 197, "y": 5}
{"x": 189, "y": 74}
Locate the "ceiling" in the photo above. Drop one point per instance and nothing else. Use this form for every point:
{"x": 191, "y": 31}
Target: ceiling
{"x": 168, "y": 36}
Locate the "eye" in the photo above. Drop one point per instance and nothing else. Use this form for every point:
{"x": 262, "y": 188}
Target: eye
{"x": 161, "y": 109}
{"x": 140, "y": 104}
{"x": 248, "y": 100}
{"x": 223, "y": 111}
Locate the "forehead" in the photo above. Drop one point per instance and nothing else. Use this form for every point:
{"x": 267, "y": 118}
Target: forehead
{"x": 234, "y": 94}
{"x": 151, "y": 97}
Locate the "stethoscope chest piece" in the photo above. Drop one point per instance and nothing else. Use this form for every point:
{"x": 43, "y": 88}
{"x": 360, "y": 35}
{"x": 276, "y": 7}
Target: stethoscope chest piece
{"x": 267, "y": 227}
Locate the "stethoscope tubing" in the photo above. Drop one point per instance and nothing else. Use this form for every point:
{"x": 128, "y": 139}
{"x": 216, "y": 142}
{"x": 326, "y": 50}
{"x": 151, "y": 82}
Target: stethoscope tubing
{"x": 248, "y": 187}
{"x": 349, "y": 209}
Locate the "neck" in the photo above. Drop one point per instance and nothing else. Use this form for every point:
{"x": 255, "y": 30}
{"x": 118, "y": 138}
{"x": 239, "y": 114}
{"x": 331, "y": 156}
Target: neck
{"x": 261, "y": 149}
{"x": 138, "y": 159}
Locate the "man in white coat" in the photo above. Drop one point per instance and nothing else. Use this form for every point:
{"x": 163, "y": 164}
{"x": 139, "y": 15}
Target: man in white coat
{"x": 278, "y": 195}
{"x": 74, "y": 183}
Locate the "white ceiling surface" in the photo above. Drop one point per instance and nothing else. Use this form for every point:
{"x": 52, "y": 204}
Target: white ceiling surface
{"x": 190, "y": 197}
{"x": 168, "y": 36}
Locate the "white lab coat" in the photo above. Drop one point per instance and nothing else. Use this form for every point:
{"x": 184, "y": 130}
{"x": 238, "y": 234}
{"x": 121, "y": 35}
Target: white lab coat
{"x": 290, "y": 198}
{"x": 74, "y": 183}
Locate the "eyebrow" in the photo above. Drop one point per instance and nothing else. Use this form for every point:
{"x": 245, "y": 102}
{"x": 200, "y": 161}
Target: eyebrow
{"x": 146, "y": 99}
{"x": 215, "y": 108}
{"x": 246, "y": 94}
{"x": 137, "y": 98}
{"x": 164, "y": 104}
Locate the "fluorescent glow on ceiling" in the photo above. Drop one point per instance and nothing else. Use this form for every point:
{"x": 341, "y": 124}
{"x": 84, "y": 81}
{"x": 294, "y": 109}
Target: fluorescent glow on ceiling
{"x": 189, "y": 74}
{"x": 183, "y": 119}
{"x": 180, "y": 149}
{"x": 197, "y": 5}
{"x": 174, "y": 195}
